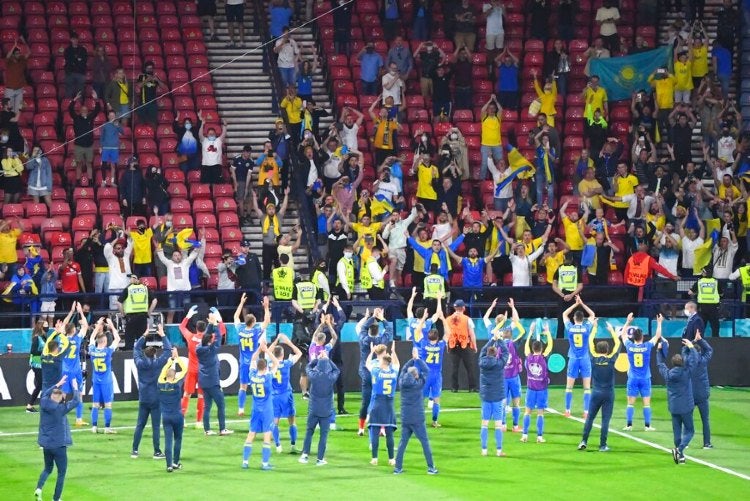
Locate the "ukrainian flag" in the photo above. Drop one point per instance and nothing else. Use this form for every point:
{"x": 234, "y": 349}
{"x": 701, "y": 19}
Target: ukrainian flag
{"x": 704, "y": 252}
{"x": 519, "y": 166}
{"x": 381, "y": 206}
{"x": 622, "y": 76}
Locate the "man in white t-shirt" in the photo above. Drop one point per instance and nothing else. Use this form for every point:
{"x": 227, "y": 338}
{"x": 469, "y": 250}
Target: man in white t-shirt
{"x": 392, "y": 84}
{"x": 351, "y": 121}
{"x": 691, "y": 240}
{"x": 725, "y": 146}
{"x": 724, "y": 256}
{"x": 386, "y": 186}
{"x": 493, "y": 14}
{"x": 212, "y": 149}
{"x": 289, "y": 56}
{"x": 178, "y": 277}
{"x": 606, "y": 17}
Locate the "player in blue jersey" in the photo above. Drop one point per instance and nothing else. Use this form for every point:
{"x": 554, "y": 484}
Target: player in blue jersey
{"x": 537, "y": 381}
{"x": 492, "y": 360}
{"x": 261, "y": 419}
{"x": 579, "y": 363}
{"x": 432, "y": 352}
{"x": 639, "y": 372}
{"x": 283, "y": 400}
{"x": 251, "y": 335}
{"x": 370, "y": 333}
{"x": 72, "y": 360}
{"x": 100, "y": 353}
{"x": 514, "y": 366}
{"x": 384, "y": 373}
{"x": 414, "y": 316}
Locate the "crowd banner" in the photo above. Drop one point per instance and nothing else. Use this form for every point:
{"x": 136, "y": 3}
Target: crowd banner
{"x": 622, "y": 76}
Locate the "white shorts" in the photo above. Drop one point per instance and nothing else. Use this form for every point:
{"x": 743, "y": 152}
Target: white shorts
{"x": 496, "y": 41}
{"x": 400, "y": 256}
{"x": 47, "y": 307}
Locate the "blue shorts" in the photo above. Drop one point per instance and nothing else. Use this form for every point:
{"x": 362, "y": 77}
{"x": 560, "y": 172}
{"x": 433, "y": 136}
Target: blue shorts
{"x": 68, "y": 386}
{"x": 111, "y": 155}
{"x": 261, "y": 420}
{"x": 493, "y": 411}
{"x": 244, "y": 373}
{"x": 433, "y": 388}
{"x": 639, "y": 386}
{"x": 103, "y": 393}
{"x": 283, "y": 405}
{"x": 579, "y": 367}
{"x": 513, "y": 387}
{"x": 536, "y": 399}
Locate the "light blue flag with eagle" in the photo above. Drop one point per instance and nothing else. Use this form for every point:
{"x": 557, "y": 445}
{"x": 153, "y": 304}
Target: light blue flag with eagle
{"x": 621, "y": 76}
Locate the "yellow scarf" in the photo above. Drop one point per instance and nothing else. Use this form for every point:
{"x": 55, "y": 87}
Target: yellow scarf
{"x": 547, "y": 172}
{"x": 267, "y": 222}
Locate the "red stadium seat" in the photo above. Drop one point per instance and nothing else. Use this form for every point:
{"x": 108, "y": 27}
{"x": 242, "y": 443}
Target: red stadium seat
{"x": 203, "y": 205}
{"x": 206, "y": 220}
{"x": 83, "y": 223}
{"x": 226, "y": 204}
{"x": 228, "y": 219}
{"x": 113, "y": 219}
{"x": 179, "y": 206}
{"x": 182, "y": 221}
{"x": 200, "y": 191}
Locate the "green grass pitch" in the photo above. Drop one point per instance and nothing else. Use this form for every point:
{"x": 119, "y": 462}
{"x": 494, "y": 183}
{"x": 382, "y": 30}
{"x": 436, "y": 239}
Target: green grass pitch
{"x": 100, "y": 467}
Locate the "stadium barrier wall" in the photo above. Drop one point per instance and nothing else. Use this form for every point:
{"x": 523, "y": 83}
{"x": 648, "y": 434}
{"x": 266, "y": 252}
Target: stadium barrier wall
{"x": 727, "y": 368}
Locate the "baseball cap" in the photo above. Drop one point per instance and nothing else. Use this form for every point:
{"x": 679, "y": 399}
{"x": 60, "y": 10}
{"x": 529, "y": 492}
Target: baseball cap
{"x": 133, "y": 275}
{"x": 459, "y": 303}
{"x": 245, "y": 243}
{"x": 247, "y": 148}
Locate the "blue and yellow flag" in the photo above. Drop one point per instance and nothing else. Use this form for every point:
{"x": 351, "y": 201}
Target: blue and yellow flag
{"x": 704, "y": 252}
{"x": 621, "y": 76}
{"x": 519, "y": 166}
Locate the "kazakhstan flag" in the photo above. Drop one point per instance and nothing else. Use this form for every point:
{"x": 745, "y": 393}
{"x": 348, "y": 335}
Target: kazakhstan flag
{"x": 621, "y": 76}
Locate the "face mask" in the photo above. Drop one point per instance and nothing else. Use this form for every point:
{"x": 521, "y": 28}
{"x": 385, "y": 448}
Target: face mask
{"x": 348, "y": 255}
{"x": 153, "y": 171}
{"x": 4, "y": 139}
{"x": 141, "y": 228}
{"x": 168, "y": 224}
{"x": 424, "y": 138}
{"x": 211, "y": 137}
{"x": 687, "y": 312}
{"x": 188, "y": 126}
{"x": 454, "y": 137}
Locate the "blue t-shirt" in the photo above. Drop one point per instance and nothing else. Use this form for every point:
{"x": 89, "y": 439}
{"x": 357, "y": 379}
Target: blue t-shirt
{"x": 262, "y": 390}
{"x": 282, "y": 382}
{"x": 723, "y": 60}
{"x": 370, "y": 65}
{"x": 411, "y": 325}
{"x": 384, "y": 382}
{"x": 249, "y": 341}
{"x": 507, "y": 78}
{"x": 433, "y": 355}
{"x": 72, "y": 360}
{"x": 280, "y": 17}
{"x": 304, "y": 85}
{"x": 473, "y": 272}
{"x": 101, "y": 361}
{"x": 639, "y": 356}
{"x": 578, "y": 337}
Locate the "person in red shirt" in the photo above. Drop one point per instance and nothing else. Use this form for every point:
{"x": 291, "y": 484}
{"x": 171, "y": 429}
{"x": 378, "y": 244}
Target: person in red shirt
{"x": 193, "y": 340}
{"x": 71, "y": 280}
{"x": 641, "y": 267}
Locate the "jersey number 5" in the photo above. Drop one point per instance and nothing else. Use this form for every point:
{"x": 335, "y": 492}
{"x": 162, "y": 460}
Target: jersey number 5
{"x": 387, "y": 386}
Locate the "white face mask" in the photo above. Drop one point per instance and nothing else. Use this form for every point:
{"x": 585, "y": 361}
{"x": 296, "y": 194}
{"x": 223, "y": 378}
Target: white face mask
{"x": 348, "y": 255}
{"x": 168, "y": 224}
{"x": 454, "y": 136}
{"x": 687, "y": 312}
{"x": 424, "y": 138}
{"x": 188, "y": 126}
{"x": 211, "y": 137}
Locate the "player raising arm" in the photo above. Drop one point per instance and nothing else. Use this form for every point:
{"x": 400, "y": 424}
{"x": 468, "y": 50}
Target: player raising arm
{"x": 639, "y": 372}
{"x": 512, "y": 372}
{"x": 100, "y": 353}
{"x": 579, "y": 363}
{"x": 281, "y": 390}
{"x": 251, "y": 335}
{"x": 537, "y": 380}
{"x": 261, "y": 420}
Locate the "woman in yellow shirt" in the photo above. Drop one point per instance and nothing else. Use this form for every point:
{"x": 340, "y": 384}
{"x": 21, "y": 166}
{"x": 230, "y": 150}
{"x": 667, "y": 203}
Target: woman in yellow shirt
{"x": 427, "y": 173}
{"x": 547, "y": 98}
{"x": 683, "y": 76}
{"x": 12, "y": 169}
{"x": 699, "y": 60}
{"x": 269, "y": 169}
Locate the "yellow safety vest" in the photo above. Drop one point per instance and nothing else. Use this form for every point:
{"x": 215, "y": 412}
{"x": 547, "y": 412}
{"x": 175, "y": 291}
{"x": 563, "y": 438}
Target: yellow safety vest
{"x": 315, "y": 282}
{"x": 137, "y": 300}
{"x": 306, "y": 294}
{"x": 365, "y": 279}
{"x": 283, "y": 283}
{"x": 567, "y": 278}
{"x": 349, "y": 264}
{"x": 433, "y": 284}
{"x": 708, "y": 291}
{"x": 745, "y": 277}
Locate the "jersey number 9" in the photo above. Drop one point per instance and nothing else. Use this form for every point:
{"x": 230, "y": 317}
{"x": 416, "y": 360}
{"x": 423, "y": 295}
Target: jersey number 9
{"x": 578, "y": 340}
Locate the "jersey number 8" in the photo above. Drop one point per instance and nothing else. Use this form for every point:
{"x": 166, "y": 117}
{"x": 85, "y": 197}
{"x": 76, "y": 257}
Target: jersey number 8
{"x": 638, "y": 359}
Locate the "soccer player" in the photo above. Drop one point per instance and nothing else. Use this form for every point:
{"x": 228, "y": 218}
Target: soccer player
{"x": 252, "y": 335}
{"x": 537, "y": 381}
{"x": 413, "y": 317}
{"x": 281, "y": 390}
{"x": 193, "y": 340}
{"x": 579, "y": 363}
{"x": 492, "y": 360}
{"x": 639, "y": 372}
{"x": 208, "y": 374}
{"x": 72, "y": 359}
{"x": 701, "y": 385}
{"x": 603, "y": 397}
{"x": 319, "y": 346}
{"x": 412, "y": 382}
{"x": 261, "y": 419}
{"x": 370, "y": 335}
{"x": 432, "y": 351}
{"x": 100, "y": 354}
{"x": 382, "y": 413}
{"x": 53, "y": 354}
{"x": 149, "y": 368}
{"x": 170, "y": 392}
{"x": 54, "y": 434}
{"x": 512, "y": 373}
{"x": 679, "y": 394}
{"x": 322, "y": 374}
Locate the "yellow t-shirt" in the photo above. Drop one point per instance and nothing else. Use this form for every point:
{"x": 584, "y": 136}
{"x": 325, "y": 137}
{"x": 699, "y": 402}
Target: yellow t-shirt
{"x": 699, "y": 65}
{"x": 293, "y": 108}
{"x": 142, "y": 246}
{"x": 124, "y": 98}
{"x": 552, "y": 263}
{"x": 547, "y": 100}
{"x": 683, "y": 75}
{"x": 595, "y": 99}
{"x": 8, "y": 241}
{"x": 418, "y": 259}
{"x": 664, "y": 90}
{"x": 425, "y": 175}
{"x": 491, "y": 126}
{"x": 733, "y": 192}
{"x": 363, "y": 230}
{"x": 624, "y": 186}
{"x": 272, "y": 174}
{"x": 384, "y": 130}
{"x": 585, "y": 186}
{"x": 572, "y": 235}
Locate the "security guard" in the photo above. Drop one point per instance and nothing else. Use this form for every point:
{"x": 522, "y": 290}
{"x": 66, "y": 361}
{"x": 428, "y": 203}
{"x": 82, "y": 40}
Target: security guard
{"x": 305, "y": 296}
{"x": 566, "y": 285}
{"x": 283, "y": 280}
{"x": 345, "y": 274}
{"x": 371, "y": 276}
{"x": 320, "y": 279}
{"x": 133, "y": 303}
{"x": 743, "y": 274}
{"x": 706, "y": 291}
{"x": 434, "y": 286}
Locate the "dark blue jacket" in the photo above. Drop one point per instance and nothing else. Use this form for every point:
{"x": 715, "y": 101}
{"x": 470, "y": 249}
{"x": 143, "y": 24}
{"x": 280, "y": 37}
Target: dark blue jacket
{"x": 412, "y": 400}
{"x": 54, "y": 429}
{"x": 701, "y": 385}
{"x": 365, "y": 340}
{"x": 149, "y": 369}
{"x": 491, "y": 372}
{"x": 678, "y": 380}
{"x": 694, "y": 323}
{"x": 603, "y": 373}
{"x": 322, "y": 374}
{"x": 208, "y": 362}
